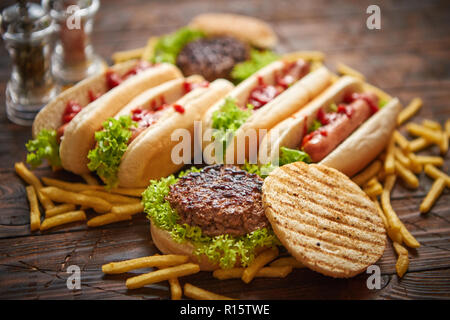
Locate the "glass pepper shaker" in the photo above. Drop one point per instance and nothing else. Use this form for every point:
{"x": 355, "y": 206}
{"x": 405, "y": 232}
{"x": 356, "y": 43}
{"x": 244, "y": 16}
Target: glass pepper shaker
{"x": 27, "y": 32}
{"x": 73, "y": 57}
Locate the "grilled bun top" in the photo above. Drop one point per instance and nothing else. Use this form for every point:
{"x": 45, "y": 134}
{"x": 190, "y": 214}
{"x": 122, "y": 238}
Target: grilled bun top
{"x": 323, "y": 219}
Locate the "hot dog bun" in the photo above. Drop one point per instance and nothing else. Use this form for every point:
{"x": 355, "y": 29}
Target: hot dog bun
{"x": 247, "y": 29}
{"x": 361, "y": 146}
{"x": 149, "y": 156}
{"x": 79, "y": 138}
{"x": 50, "y": 117}
{"x": 281, "y": 107}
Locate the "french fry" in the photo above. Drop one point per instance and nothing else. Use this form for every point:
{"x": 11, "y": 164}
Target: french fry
{"x": 368, "y": 173}
{"x": 90, "y": 180}
{"x": 414, "y": 163}
{"x": 436, "y": 161}
{"x": 399, "y": 156}
{"x": 402, "y": 265}
{"x": 69, "y": 186}
{"x": 112, "y": 198}
{"x": 105, "y": 219}
{"x": 381, "y": 213}
{"x": 175, "y": 289}
{"x": 260, "y": 261}
{"x": 389, "y": 163}
{"x": 306, "y": 55}
{"x": 430, "y": 124}
{"x": 60, "y": 195}
{"x": 409, "y": 111}
{"x": 401, "y": 141}
{"x": 447, "y": 127}
{"x": 197, "y": 293}
{"x": 373, "y": 191}
{"x": 63, "y": 218}
{"x": 162, "y": 275}
{"x": 63, "y": 208}
{"x": 280, "y": 271}
{"x": 399, "y": 248}
{"x": 432, "y": 195}
{"x": 160, "y": 261}
{"x": 408, "y": 238}
{"x": 426, "y": 133}
{"x": 394, "y": 221}
{"x": 131, "y": 192}
{"x": 147, "y": 54}
{"x": 419, "y": 144}
{"x": 287, "y": 262}
{"x": 346, "y": 70}
{"x": 435, "y": 173}
{"x": 30, "y": 178}
{"x": 35, "y": 213}
{"x": 122, "y": 56}
{"x": 407, "y": 176}
{"x": 128, "y": 209}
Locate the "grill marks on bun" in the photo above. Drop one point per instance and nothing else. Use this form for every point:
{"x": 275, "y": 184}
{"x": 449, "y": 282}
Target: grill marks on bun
{"x": 324, "y": 219}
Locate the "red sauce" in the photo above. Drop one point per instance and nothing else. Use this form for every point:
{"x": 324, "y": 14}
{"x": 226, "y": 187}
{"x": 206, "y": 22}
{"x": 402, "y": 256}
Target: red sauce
{"x": 189, "y": 86}
{"x": 292, "y": 72}
{"x": 145, "y": 118}
{"x": 178, "y": 108}
{"x": 370, "y": 98}
{"x": 71, "y": 110}
{"x": 93, "y": 96}
{"x": 113, "y": 79}
{"x": 263, "y": 93}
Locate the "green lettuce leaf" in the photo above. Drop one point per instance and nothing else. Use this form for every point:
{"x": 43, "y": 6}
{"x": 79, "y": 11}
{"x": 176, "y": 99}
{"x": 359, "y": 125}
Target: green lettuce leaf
{"x": 292, "y": 155}
{"x": 315, "y": 125}
{"x": 112, "y": 142}
{"x": 167, "y": 47}
{"x": 228, "y": 119}
{"x": 261, "y": 170}
{"x": 224, "y": 249}
{"x": 45, "y": 146}
{"x": 258, "y": 59}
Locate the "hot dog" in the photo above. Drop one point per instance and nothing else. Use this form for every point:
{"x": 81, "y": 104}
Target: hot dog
{"x": 85, "y": 106}
{"x": 260, "y": 102}
{"x": 345, "y": 127}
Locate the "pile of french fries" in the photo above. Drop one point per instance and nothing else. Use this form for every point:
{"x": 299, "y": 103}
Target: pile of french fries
{"x": 171, "y": 267}
{"x": 114, "y": 205}
{"x": 400, "y": 160}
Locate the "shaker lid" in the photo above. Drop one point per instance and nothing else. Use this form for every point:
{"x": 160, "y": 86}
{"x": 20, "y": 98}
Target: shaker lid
{"x": 24, "y": 18}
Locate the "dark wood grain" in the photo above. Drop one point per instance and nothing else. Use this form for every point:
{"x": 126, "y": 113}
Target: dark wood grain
{"x": 408, "y": 57}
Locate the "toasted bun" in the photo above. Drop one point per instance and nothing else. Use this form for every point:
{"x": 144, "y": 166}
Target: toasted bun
{"x": 362, "y": 146}
{"x": 149, "y": 156}
{"x": 164, "y": 242}
{"x": 247, "y": 29}
{"x": 323, "y": 219}
{"x": 273, "y": 112}
{"x": 50, "y": 117}
{"x": 79, "y": 137}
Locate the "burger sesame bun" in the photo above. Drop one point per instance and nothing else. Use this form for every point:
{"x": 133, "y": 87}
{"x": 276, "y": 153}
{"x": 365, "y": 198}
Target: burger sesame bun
{"x": 323, "y": 219}
{"x": 284, "y": 105}
{"x": 79, "y": 137}
{"x": 164, "y": 242}
{"x": 50, "y": 117}
{"x": 149, "y": 156}
{"x": 362, "y": 146}
{"x": 247, "y": 29}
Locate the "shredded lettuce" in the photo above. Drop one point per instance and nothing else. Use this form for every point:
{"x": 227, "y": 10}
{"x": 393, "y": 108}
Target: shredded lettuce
{"x": 288, "y": 155}
{"x": 45, "y": 146}
{"x": 224, "y": 249}
{"x": 167, "y": 47}
{"x": 382, "y": 103}
{"x": 228, "y": 119}
{"x": 258, "y": 59}
{"x": 315, "y": 125}
{"x": 261, "y": 170}
{"x": 112, "y": 142}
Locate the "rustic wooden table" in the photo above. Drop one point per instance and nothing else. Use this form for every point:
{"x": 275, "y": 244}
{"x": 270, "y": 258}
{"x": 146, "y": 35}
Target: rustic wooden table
{"x": 408, "y": 57}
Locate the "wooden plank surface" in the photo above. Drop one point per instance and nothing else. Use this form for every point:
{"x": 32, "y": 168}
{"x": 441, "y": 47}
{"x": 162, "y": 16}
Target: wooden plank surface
{"x": 408, "y": 57}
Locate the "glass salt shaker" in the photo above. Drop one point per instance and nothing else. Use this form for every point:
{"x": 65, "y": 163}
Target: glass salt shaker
{"x": 73, "y": 57}
{"x": 27, "y": 32}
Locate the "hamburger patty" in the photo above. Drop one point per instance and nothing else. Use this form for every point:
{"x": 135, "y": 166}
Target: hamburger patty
{"x": 220, "y": 200}
{"x": 212, "y": 58}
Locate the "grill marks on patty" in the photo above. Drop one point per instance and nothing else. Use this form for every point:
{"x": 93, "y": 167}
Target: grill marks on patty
{"x": 213, "y": 58}
{"x": 220, "y": 200}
